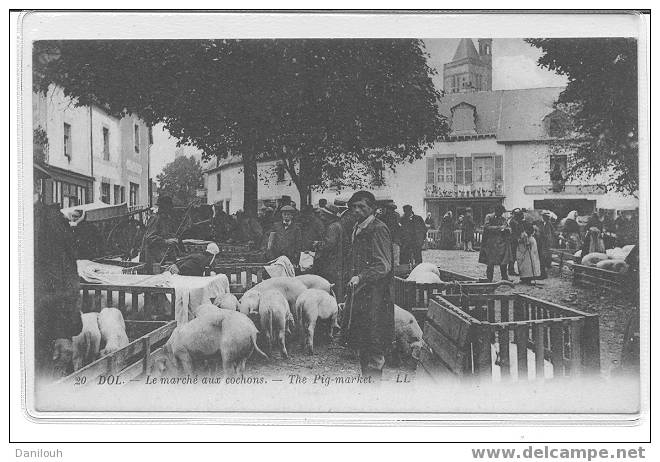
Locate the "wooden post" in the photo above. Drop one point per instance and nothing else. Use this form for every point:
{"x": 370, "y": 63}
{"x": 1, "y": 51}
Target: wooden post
{"x": 591, "y": 345}
{"x": 575, "y": 333}
{"x": 539, "y": 351}
{"x": 505, "y": 367}
{"x": 147, "y": 353}
{"x": 483, "y": 364}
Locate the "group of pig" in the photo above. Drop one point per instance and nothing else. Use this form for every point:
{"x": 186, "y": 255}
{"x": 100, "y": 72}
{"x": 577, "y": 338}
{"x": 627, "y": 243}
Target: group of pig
{"x": 102, "y": 333}
{"x": 227, "y": 330}
{"x": 611, "y": 260}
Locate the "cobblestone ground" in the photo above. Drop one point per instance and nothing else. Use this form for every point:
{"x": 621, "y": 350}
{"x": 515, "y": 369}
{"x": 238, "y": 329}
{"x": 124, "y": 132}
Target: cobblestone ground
{"x": 558, "y": 288}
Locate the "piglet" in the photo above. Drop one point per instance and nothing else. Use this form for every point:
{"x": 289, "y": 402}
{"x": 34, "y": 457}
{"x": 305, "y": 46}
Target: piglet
{"x": 113, "y": 330}
{"x": 312, "y": 305}
{"x": 274, "y": 319}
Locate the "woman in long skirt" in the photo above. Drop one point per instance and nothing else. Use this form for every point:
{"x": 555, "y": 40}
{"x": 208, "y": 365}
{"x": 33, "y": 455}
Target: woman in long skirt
{"x": 527, "y": 256}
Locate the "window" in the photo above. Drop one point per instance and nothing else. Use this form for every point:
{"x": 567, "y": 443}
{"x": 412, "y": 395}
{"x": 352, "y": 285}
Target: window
{"x": 464, "y": 170}
{"x": 122, "y": 192}
{"x": 279, "y": 170}
{"x": 105, "y": 192}
{"x": 81, "y": 192}
{"x": 136, "y": 138}
{"x": 117, "y": 193}
{"x": 218, "y": 181}
{"x": 106, "y": 143}
{"x": 133, "y": 194}
{"x": 559, "y": 163}
{"x": 67, "y": 141}
{"x": 444, "y": 167}
{"x": 483, "y": 169}
{"x": 430, "y": 170}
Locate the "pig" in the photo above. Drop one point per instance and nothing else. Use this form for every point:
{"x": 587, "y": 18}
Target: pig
{"x": 216, "y": 334}
{"x": 425, "y": 278}
{"x": 291, "y": 288}
{"x": 591, "y": 259}
{"x": 617, "y": 253}
{"x": 274, "y": 319}
{"x": 87, "y": 344}
{"x": 206, "y": 309}
{"x": 312, "y": 305}
{"x": 227, "y": 302}
{"x": 619, "y": 266}
{"x": 312, "y": 281}
{"x": 113, "y": 330}
{"x": 62, "y": 358}
{"x": 423, "y": 268}
{"x": 249, "y": 302}
{"x": 407, "y": 334}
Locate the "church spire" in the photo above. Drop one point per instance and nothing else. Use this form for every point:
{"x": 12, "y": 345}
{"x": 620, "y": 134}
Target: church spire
{"x": 470, "y": 70}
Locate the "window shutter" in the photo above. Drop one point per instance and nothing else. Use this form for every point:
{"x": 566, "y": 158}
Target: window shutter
{"x": 467, "y": 166}
{"x": 430, "y": 174}
{"x": 498, "y": 168}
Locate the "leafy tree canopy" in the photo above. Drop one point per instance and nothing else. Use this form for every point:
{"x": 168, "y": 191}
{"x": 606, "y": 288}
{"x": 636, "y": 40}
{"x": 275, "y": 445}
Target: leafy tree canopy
{"x": 327, "y": 108}
{"x": 601, "y": 98}
{"x": 180, "y": 179}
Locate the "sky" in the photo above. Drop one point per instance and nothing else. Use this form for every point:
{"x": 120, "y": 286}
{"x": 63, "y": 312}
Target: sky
{"x": 514, "y": 67}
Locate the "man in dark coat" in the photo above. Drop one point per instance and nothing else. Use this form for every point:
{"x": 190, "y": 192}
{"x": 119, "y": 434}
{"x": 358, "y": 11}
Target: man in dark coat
{"x": 329, "y": 261}
{"x": 311, "y": 226}
{"x": 159, "y": 235}
{"x": 391, "y": 219}
{"x": 195, "y": 264}
{"x": 56, "y": 288}
{"x": 370, "y": 307}
{"x": 496, "y": 244}
{"x": 413, "y": 235}
{"x": 286, "y": 238}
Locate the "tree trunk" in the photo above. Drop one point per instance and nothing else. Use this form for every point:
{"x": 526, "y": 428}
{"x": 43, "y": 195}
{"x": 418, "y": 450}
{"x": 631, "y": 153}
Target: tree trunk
{"x": 305, "y": 192}
{"x": 250, "y": 184}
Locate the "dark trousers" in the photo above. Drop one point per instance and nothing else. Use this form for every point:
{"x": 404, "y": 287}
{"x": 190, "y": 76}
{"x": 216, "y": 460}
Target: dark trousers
{"x": 514, "y": 249}
{"x": 411, "y": 253}
{"x": 371, "y": 363}
{"x": 490, "y": 269}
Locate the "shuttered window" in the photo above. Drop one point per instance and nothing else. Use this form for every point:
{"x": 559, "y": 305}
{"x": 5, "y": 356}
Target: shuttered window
{"x": 463, "y": 170}
{"x": 430, "y": 170}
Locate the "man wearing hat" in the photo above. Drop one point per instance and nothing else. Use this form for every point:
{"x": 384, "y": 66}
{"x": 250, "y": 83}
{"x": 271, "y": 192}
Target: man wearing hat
{"x": 159, "y": 235}
{"x": 370, "y": 305}
{"x": 413, "y": 234}
{"x": 56, "y": 286}
{"x": 516, "y": 226}
{"x": 285, "y": 238}
{"x": 195, "y": 264}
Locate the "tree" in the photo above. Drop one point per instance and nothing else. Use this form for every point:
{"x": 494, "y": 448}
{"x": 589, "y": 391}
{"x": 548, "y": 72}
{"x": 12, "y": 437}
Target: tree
{"x": 331, "y": 110}
{"x": 601, "y": 99}
{"x": 180, "y": 179}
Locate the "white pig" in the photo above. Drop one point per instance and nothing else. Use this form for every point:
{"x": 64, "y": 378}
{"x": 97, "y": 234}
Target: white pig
{"x": 216, "y": 334}
{"x": 274, "y": 318}
{"x": 87, "y": 344}
{"x": 312, "y": 281}
{"x": 407, "y": 334}
{"x": 206, "y": 309}
{"x": 423, "y": 268}
{"x": 312, "y": 305}
{"x": 227, "y": 302}
{"x": 291, "y": 288}
{"x": 618, "y": 266}
{"x": 113, "y": 330}
{"x": 249, "y": 302}
{"x": 591, "y": 259}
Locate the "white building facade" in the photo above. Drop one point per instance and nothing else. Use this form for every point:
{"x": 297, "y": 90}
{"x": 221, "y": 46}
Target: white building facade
{"x": 91, "y": 155}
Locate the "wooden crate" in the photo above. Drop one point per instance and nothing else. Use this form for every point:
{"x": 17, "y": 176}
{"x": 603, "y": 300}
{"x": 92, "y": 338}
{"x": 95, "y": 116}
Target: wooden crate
{"x": 241, "y": 276}
{"x": 601, "y": 279}
{"x": 415, "y": 297}
{"x": 562, "y": 257}
{"x": 129, "y": 363}
{"x": 508, "y": 337}
{"x": 158, "y": 303}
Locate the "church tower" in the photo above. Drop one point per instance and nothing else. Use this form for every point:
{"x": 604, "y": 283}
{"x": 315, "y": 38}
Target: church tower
{"x": 470, "y": 70}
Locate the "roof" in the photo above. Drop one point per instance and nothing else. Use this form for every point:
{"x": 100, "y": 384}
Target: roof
{"x": 227, "y": 161}
{"x": 509, "y": 115}
{"x": 465, "y": 49}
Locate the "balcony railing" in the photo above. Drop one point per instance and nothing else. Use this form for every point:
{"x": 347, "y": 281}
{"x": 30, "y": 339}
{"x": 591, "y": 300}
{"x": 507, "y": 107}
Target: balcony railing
{"x": 465, "y": 191}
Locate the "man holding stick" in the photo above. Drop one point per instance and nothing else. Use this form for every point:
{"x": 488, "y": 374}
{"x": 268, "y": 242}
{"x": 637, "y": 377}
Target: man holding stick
{"x": 370, "y": 305}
